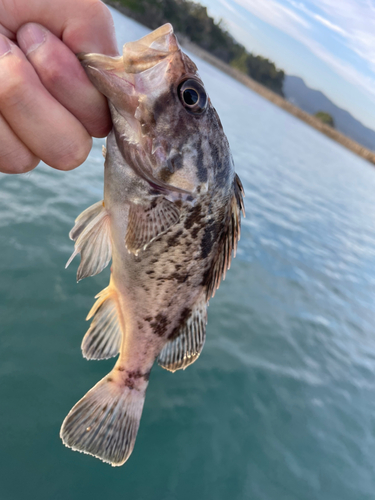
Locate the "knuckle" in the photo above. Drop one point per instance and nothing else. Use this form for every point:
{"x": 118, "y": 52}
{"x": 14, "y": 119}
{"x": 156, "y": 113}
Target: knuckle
{"x": 98, "y": 11}
{"x": 52, "y": 73}
{"x": 13, "y": 83}
{"x": 99, "y": 8}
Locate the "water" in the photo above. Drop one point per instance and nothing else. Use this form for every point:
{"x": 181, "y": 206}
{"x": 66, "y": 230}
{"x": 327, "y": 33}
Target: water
{"x": 281, "y": 403}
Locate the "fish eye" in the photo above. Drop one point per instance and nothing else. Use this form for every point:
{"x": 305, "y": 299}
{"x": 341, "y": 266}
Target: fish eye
{"x": 192, "y": 96}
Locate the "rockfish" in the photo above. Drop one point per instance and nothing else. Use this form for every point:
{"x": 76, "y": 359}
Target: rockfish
{"x": 170, "y": 221}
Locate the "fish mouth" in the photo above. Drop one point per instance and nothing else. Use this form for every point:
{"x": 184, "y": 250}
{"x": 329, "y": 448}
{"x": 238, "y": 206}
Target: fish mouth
{"x": 150, "y": 50}
{"x": 137, "y": 57}
{"x": 140, "y": 70}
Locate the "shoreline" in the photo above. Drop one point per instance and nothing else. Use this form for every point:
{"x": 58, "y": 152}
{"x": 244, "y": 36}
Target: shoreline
{"x": 266, "y": 93}
{"x": 279, "y": 101}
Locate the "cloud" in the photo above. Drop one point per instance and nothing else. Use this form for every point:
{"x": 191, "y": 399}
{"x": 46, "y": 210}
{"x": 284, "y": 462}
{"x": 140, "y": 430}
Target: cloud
{"x": 329, "y": 25}
{"x": 353, "y": 21}
{"x": 229, "y": 7}
{"x": 274, "y": 13}
{"x": 322, "y": 20}
{"x": 345, "y": 70}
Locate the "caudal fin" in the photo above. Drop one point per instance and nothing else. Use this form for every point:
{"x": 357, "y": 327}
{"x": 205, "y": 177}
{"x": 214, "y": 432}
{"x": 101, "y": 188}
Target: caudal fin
{"x": 104, "y": 423}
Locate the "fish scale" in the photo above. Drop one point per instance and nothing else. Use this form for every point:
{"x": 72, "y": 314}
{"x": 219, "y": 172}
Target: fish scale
{"x": 170, "y": 221}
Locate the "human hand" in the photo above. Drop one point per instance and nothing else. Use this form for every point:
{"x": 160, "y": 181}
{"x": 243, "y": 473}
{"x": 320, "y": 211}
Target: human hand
{"x": 48, "y": 108}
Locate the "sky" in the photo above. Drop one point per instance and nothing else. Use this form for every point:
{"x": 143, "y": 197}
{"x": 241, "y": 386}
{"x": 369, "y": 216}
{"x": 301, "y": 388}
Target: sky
{"x": 328, "y": 43}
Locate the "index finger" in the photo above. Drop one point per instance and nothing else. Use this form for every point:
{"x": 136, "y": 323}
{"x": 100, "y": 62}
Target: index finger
{"x": 84, "y": 26}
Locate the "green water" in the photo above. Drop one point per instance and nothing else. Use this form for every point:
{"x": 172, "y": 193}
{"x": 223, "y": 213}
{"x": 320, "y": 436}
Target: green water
{"x": 281, "y": 403}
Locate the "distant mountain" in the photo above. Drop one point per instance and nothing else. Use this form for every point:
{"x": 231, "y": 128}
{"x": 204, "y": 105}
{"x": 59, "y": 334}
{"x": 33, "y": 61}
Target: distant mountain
{"x": 297, "y": 92}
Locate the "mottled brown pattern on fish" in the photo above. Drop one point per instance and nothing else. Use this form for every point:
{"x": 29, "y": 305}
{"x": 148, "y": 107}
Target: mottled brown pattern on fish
{"x": 175, "y": 274}
{"x": 174, "y": 240}
{"x": 159, "y": 324}
{"x": 185, "y": 313}
{"x": 133, "y": 376}
{"x": 173, "y": 203}
{"x": 194, "y": 217}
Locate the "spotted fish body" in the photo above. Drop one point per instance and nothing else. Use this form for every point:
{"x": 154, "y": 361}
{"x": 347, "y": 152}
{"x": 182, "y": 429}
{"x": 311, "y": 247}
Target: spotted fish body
{"x": 170, "y": 221}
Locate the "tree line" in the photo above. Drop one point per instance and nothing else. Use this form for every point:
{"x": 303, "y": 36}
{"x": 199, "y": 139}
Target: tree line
{"x": 192, "y": 20}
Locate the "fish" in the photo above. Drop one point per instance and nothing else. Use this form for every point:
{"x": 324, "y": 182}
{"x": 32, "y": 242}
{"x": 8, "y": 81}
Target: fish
{"x": 170, "y": 222}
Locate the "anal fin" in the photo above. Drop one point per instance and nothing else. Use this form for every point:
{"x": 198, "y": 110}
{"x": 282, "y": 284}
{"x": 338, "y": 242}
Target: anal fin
{"x": 148, "y": 222}
{"x": 91, "y": 234}
{"x": 103, "y": 338}
{"x": 186, "y": 347}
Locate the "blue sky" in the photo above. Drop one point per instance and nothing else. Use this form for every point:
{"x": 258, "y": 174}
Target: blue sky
{"x": 329, "y": 43}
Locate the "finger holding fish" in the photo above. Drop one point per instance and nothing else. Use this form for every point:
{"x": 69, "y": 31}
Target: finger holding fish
{"x": 63, "y": 76}
{"x": 84, "y": 26}
{"x": 15, "y": 157}
{"x": 54, "y": 107}
{"x": 39, "y": 121}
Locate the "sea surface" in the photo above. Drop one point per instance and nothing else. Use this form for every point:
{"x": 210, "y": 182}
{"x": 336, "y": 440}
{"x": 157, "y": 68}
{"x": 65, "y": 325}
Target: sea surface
{"x": 281, "y": 403}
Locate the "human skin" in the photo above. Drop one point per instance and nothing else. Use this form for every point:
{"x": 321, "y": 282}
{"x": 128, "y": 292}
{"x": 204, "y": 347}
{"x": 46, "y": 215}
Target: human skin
{"x": 49, "y": 110}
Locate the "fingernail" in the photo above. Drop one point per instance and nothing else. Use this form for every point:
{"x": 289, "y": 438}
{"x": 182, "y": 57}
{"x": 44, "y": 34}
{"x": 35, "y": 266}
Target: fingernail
{"x": 30, "y": 37}
{"x": 5, "y": 46}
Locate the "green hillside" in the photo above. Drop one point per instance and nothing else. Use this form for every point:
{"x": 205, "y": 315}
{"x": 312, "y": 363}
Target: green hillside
{"x": 192, "y": 20}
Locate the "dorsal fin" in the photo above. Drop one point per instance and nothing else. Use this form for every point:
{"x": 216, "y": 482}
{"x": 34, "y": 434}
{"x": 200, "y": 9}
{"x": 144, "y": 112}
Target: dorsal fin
{"x": 147, "y": 222}
{"x": 185, "y": 348}
{"x": 103, "y": 338}
{"x": 228, "y": 240}
{"x": 91, "y": 233}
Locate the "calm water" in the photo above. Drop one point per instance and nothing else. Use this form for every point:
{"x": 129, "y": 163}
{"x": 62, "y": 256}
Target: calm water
{"x": 281, "y": 404}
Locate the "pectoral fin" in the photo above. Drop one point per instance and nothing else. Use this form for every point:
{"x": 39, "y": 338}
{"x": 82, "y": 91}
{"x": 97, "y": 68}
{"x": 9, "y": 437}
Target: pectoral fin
{"x": 148, "y": 222}
{"x": 228, "y": 240}
{"x": 103, "y": 338}
{"x": 91, "y": 233}
{"x": 185, "y": 348}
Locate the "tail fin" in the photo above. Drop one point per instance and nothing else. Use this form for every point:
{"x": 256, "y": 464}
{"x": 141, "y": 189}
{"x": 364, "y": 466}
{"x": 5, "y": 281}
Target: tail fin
{"x": 104, "y": 423}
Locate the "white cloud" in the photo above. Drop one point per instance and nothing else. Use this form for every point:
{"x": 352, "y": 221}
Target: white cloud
{"x": 229, "y": 7}
{"x": 274, "y": 13}
{"x": 345, "y": 70}
{"x": 353, "y": 20}
{"x": 329, "y": 25}
{"x": 322, "y": 20}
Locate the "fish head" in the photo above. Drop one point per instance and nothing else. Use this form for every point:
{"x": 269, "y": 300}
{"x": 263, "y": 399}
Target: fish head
{"x": 165, "y": 125}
